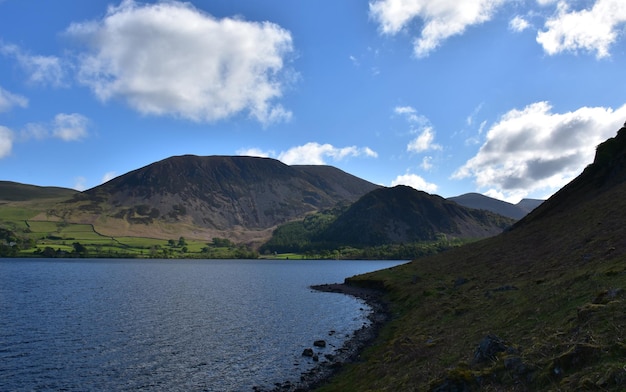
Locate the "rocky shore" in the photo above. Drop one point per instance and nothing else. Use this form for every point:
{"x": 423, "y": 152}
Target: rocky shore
{"x": 351, "y": 349}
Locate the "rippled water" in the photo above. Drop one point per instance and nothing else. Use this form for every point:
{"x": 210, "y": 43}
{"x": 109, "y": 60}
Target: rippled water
{"x": 209, "y": 325}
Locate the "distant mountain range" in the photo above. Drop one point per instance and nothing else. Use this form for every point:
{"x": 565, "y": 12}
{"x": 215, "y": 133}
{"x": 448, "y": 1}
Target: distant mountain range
{"x": 246, "y": 198}
{"x": 514, "y": 211}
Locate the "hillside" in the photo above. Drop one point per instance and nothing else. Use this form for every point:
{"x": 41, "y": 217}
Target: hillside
{"x": 402, "y": 215}
{"x": 14, "y": 191}
{"x": 538, "y": 307}
{"x": 200, "y": 196}
{"x": 513, "y": 211}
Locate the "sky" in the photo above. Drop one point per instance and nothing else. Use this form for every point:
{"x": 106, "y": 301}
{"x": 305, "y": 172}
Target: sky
{"x": 508, "y": 98}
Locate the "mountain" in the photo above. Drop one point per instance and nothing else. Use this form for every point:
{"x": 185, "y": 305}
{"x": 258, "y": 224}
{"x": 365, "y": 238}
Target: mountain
{"x": 14, "y": 191}
{"x": 529, "y": 204}
{"x": 402, "y": 215}
{"x": 210, "y": 194}
{"x": 513, "y": 211}
{"x": 538, "y": 307}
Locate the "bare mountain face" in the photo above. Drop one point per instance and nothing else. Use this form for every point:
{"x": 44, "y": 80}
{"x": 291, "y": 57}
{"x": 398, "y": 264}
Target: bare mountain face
{"x": 221, "y": 192}
{"x": 403, "y": 215}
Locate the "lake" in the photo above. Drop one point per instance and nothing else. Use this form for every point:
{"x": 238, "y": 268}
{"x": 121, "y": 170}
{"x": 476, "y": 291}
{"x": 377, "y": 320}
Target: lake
{"x": 176, "y": 325}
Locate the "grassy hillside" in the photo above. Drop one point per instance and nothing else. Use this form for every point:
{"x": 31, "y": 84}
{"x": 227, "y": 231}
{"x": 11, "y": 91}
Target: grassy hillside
{"x": 14, "y": 191}
{"x": 540, "y": 307}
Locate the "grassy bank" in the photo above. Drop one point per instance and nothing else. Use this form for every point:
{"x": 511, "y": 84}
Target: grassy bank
{"x": 538, "y": 308}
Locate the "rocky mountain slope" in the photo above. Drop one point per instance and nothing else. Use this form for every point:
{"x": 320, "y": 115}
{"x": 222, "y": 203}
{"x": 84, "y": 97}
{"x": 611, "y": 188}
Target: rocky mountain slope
{"x": 538, "y": 307}
{"x": 212, "y": 193}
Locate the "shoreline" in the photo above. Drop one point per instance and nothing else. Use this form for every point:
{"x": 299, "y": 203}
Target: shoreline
{"x": 351, "y": 349}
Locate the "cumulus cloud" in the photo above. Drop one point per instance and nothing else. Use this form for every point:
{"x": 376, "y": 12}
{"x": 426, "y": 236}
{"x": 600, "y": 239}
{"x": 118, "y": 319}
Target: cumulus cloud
{"x": 255, "y": 152}
{"x": 67, "y": 127}
{"x": 70, "y": 127}
{"x": 518, "y": 24}
{"x": 169, "y": 58}
{"x": 9, "y": 100}
{"x": 424, "y": 142}
{"x": 6, "y": 141}
{"x": 419, "y": 124}
{"x": 46, "y": 70}
{"x": 415, "y": 181}
{"x": 534, "y": 149}
{"x": 441, "y": 19}
{"x": 316, "y": 154}
{"x": 311, "y": 153}
{"x": 591, "y": 30}
{"x": 427, "y": 163}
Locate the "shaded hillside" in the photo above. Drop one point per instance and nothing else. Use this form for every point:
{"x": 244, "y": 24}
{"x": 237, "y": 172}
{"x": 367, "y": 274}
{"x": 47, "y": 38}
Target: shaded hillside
{"x": 538, "y": 307}
{"x": 402, "y": 215}
{"x": 482, "y": 202}
{"x": 218, "y": 192}
{"x": 14, "y": 191}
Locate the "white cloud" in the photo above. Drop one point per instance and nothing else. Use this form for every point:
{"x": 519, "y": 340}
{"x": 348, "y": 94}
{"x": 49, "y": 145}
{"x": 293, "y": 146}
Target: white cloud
{"x": 415, "y": 181}
{"x": 311, "y": 153}
{"x": 6, "y": 141}
{"x": 411, "y": 115}
{"x": 442, "y": 19}
{"x": 9, "y": 100}
{"x": 315, "y": 154}
{"x": 535, "y": 149}
{"x": 590, "y": 30}
{"x": 424, "y": 142}
{"x": 427, "y": 163}
{"x": 255, "y": 152}
{"x": 47, "y": 70}
{"x": 518, "y": 24}
{"x": 169, "y": 58}
{"x": 70, "y": 127}
{"x": 108, "y": 176}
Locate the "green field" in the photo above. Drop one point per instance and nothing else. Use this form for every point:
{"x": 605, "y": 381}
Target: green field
{"x": 61, "y": 239}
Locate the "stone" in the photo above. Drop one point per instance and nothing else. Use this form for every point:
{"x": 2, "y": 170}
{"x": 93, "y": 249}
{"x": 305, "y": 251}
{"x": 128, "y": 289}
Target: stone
{"x": 319, "y": 343}
{"x": 488, "y": 349}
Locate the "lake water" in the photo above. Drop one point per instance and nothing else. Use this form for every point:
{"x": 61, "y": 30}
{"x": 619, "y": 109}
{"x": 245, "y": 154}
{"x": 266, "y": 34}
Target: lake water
{"x": 175, "y": 325}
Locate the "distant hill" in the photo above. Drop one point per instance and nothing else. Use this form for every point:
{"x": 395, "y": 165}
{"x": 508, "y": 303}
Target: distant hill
{"x": 402, "y": 214}
{"x": 14, "y": 191}
{"x": 539, "y": 307}
{"x": 529, "y": 204}
{"x": 211, "y": 194}
{"x": 514, "y": 211}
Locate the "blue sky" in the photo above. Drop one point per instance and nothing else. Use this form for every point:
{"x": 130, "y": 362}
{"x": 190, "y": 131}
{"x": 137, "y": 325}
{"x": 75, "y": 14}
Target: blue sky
{"x": 504, "y": 97}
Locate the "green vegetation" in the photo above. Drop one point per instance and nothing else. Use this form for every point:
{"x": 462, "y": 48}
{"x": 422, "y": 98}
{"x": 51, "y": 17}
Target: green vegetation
{"x": 308, "y": 239}
{"x": 537, "y": 308}
{"x": 60, "y": 239}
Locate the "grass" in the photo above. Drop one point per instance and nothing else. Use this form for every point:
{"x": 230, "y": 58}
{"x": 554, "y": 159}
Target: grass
{"x": 554, "y": 290}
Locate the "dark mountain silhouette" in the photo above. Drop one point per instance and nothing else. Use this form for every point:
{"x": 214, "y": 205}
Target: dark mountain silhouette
{"x": 402, "y": 214}
{"x": 513, "y": 211}
{"x": 220, "y": 192}
{"x": 15, "y": 191}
